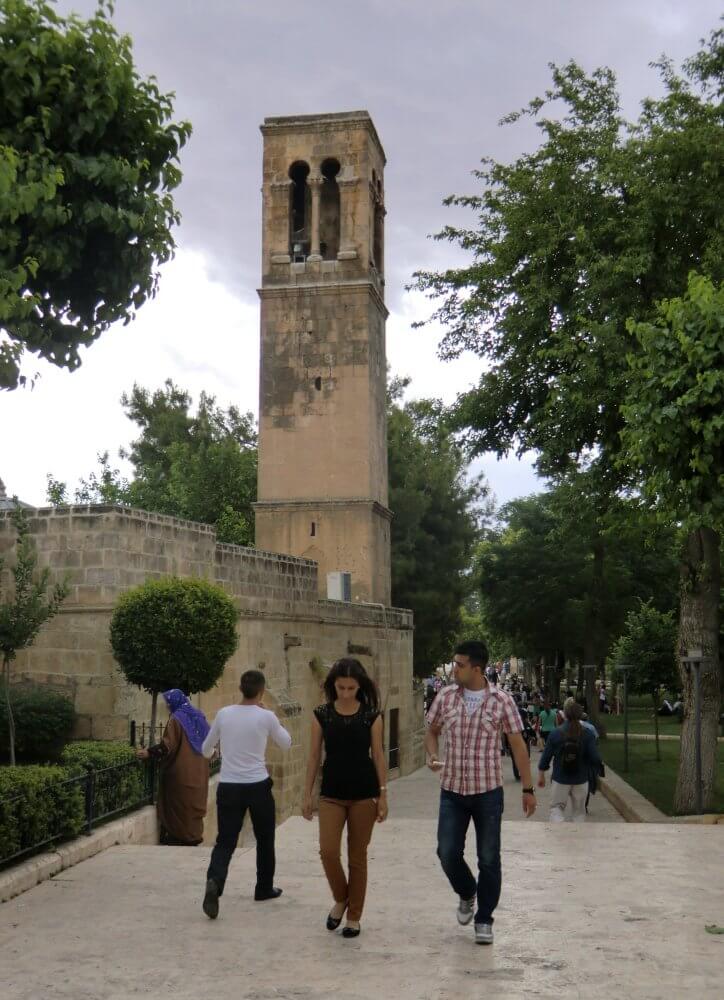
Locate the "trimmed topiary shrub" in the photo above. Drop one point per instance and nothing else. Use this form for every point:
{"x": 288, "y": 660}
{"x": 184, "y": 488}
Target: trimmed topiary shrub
{"x": 43, "y": 722}
{"x": 37, "y": 804}
{"x": 174, "y": 633}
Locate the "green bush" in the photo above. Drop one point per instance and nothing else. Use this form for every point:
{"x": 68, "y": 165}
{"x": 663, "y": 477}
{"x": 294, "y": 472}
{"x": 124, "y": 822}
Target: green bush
{"x": 96, "y": 754}
{"x": 43, "y": 722}
{"x": 114, "y": 790}
{"x": 37, "y": 804}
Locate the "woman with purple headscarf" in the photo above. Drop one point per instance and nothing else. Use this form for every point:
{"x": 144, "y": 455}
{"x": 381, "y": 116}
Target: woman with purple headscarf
{"x": 184, "y": 784}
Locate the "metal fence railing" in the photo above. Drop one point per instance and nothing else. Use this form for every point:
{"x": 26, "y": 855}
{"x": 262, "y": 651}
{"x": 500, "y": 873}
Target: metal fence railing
{"x": 34, "y": 818}
{"x": 143, "y": 735}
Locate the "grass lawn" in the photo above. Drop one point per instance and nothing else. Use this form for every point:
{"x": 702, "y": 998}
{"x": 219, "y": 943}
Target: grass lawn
{"x": 640, "y": 720}
{"x": 656, "y": 780}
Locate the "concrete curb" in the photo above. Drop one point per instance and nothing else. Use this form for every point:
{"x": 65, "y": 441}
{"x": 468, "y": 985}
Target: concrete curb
{"x": 628, "y": 802}
{"x": 140, "y": 827}
{"x": 651, "y": 737}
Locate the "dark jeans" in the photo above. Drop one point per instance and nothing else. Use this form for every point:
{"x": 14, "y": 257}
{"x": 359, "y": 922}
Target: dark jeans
{"x": 232, "y": 801}
{"x": 486, "y": 811}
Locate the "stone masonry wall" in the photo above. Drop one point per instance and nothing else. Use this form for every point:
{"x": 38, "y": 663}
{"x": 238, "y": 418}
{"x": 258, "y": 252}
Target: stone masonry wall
{"x": 284, "y": 628}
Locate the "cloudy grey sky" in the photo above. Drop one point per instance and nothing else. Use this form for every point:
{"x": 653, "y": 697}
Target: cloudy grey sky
{"x": 436, "y": 76}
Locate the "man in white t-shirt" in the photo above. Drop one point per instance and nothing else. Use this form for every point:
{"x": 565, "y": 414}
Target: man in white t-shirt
{"x": 243, "y": 731}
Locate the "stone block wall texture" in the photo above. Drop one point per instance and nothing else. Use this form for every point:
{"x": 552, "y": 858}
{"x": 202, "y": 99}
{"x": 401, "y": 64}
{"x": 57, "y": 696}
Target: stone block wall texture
{"x": 284, "y": 628}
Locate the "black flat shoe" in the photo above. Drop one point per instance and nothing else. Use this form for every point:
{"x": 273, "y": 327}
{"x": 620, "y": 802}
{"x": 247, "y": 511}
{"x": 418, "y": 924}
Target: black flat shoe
{"x": 334, "y": 922}
{"x": 210, "y": 904}
{"x": 351, "y": 932}
{"x": 259, "y": 897}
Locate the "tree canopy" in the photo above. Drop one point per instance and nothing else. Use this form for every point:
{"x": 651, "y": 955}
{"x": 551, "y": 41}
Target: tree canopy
{"x": 595, "y": 226}
{"x": 674, "y": 431}
{"x": 199, "y": 465}
{"x": 88, "y": 163}
{"x": 437, "y": 509}
{"x": 536, "y": 573}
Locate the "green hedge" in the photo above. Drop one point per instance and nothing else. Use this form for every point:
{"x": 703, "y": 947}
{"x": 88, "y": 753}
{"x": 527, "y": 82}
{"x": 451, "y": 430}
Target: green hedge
{"x": 37, "y": 804}
{"x": 43, "y": 722}
{"x": 96, "y": 754}
{"x": 114, "y": 791}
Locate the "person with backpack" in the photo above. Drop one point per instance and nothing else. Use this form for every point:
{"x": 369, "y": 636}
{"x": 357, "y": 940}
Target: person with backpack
{"x": 573, "y": 750}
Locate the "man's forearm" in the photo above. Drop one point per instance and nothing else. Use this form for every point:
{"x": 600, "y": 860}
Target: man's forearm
{"x": 431, "y": 743}
{"x": 522, "y": 761}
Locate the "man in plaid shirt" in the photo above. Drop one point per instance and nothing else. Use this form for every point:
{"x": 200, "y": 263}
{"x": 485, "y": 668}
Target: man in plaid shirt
{"x": 472, "y": 715}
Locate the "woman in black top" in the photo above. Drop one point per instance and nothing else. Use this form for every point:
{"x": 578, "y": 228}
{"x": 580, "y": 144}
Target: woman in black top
{"x": 354, "y": 790}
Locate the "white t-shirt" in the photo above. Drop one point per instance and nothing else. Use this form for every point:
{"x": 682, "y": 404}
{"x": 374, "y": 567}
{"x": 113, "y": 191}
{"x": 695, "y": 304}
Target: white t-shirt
{"x": 243, "y": 731}
{"x": 474, "y": 699}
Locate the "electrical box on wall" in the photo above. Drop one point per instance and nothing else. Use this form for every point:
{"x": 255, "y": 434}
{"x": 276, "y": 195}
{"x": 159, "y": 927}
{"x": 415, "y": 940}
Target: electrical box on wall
{"x": 339, "y": 586}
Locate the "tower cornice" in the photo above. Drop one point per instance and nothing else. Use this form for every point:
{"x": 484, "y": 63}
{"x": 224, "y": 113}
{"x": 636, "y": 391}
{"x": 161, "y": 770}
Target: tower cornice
{"x": 313, "y": 123}
{"x": 330, "y": 288}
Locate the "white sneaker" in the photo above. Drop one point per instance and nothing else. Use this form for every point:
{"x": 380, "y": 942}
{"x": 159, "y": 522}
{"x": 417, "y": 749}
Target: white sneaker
{"x": 483, "y": 933}
{"x": 466, "y": 908}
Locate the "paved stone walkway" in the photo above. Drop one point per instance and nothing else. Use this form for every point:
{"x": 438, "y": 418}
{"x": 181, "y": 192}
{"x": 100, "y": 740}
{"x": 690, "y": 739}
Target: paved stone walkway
{"x": 416, "y": 797}
{"x": 597, "y": 910}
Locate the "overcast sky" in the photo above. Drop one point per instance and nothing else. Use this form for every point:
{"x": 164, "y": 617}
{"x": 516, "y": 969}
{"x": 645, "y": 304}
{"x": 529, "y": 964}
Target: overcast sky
{"x": 436, "y": 76}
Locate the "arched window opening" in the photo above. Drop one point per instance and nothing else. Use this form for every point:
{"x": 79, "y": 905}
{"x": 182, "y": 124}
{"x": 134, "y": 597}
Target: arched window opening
{"x": 378, "y": 243}
{"x": 318, "y": 383}
{"x": 299, "y": 211}
{"x": 329, "y": 210}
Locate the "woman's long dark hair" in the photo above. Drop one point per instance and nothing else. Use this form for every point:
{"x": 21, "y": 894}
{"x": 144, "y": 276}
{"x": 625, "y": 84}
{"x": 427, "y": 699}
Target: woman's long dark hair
{"x": 349, "y": 667}
{"x": 573, "y": 713}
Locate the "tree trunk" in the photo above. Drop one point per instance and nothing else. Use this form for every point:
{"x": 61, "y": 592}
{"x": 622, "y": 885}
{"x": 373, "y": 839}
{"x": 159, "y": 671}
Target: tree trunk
{"x": 699, "y": 630}
{"x": 9, "y": 708}
{"x": 154, "y": 702}
{"x": 589, "y": 682}
{"x": 539, "y": 673}
{"x": 655, "y": 700}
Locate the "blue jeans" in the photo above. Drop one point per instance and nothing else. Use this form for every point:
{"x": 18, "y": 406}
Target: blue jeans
{"x": 486, "y": 812}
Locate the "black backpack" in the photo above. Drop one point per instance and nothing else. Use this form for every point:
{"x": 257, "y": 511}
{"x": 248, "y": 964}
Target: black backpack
{"x": 571, "y": 754}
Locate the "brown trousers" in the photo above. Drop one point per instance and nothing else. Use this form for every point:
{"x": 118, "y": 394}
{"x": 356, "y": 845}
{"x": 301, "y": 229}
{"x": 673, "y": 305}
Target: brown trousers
{"x": 360, "y": 816}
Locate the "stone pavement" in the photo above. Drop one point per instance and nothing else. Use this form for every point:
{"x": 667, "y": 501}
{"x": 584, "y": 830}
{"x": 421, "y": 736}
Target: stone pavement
{"x": 416, "y": 797}
{"x": 592, "y": 910}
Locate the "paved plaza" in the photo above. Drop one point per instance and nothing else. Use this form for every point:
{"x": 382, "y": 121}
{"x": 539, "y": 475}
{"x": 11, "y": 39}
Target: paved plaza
{"x": 605, "y": 909}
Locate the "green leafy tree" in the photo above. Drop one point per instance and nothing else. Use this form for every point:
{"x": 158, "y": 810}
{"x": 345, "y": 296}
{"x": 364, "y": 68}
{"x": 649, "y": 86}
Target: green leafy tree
{"x": 535, "y": 573}
{"x": 647, "y": 645}
{"x": 198, "y": 465}
{"x": 674, "y": 436}
{"x": 571, "y": 241}
{"x": 437, "y": 508}
{"x": 601, "y": 221}
{"x": 25, "y": 607}
{"x": 88, "y": 163}
{"x": 173, "y": 633}
{"x": 105, "y": 486}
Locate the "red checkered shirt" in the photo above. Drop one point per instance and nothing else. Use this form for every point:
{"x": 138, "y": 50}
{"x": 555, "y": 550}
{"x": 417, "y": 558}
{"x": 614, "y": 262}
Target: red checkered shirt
{"x": 473, "y": 742}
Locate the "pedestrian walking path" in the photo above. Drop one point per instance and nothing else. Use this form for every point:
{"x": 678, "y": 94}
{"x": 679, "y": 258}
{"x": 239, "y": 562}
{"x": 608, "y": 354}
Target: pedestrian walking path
{"x": 592, "y": 910}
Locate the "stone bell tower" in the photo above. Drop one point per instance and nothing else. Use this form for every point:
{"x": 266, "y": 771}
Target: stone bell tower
{"x": 322, "y": 435}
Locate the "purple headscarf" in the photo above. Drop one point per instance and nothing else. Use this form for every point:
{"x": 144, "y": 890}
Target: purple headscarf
{"x": 191, "y": 719}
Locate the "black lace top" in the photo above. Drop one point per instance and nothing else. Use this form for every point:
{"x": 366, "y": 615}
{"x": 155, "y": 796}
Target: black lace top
{"x": 348, "y": 771}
